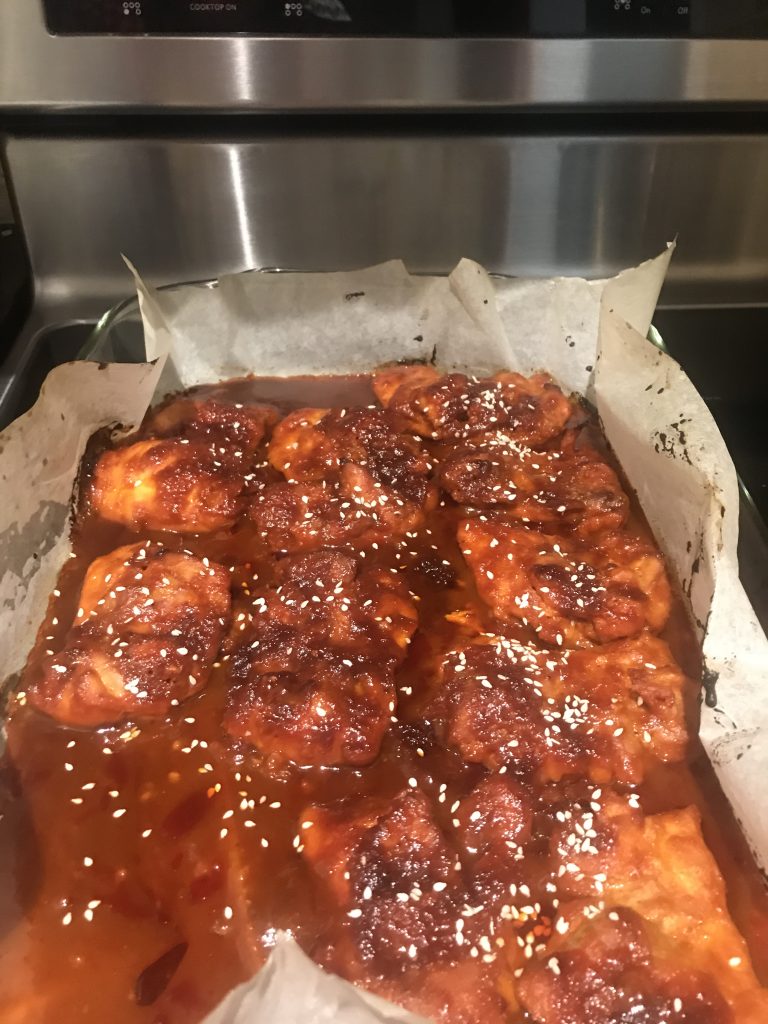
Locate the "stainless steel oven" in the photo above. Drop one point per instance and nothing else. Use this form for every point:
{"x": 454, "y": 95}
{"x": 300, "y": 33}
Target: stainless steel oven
{"x": 537, "y": 136}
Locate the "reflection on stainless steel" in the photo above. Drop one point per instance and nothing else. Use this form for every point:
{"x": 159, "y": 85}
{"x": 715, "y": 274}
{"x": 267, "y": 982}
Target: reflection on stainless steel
{"x": 192, "y": 209}
{"x": 240, "y": 205}
{"x": 38, "y": 71}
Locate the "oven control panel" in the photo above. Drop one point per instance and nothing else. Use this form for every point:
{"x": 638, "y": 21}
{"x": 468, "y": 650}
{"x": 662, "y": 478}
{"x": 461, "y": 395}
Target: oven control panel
{"x": 523, "y": 18}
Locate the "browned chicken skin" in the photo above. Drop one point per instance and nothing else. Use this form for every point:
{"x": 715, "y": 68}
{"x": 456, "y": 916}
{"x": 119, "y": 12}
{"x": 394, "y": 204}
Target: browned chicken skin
{"x": 569, "y": 592}
{"x": 454, "y": 407}
{"x": 191, "y": 475}
{"x": 388, "y": 867}
{"x": 605, "y": 712}
{"x": 351, "y": 476}
{"x": 494, "y": 823}
{"x": 234, "y": 430}
{"x": 146, "y": 633}
{"x": 313, "y": 444}
{"x": 412, "y": 927}
{"x": 315, "y": 663}
{"x": 568, "y": 488}
{"x": 389, "y": 381}
{"x": 174, "y": 485}
{"x": 308, "y": 516}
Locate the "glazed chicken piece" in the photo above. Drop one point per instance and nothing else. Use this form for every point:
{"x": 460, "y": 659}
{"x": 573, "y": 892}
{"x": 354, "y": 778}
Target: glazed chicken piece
{"x": 313, "y": 444}
{"x": 531, "y": 410}
{"x": 570, "y": 488}
{"x": 388, "y": 868}
{"x": 494, "y": 823}
{"x": 604, "y": 712}
{"x": 607, "y": 974}
{"x": 145, "y": 636}
{"x": 587, "y": 834}
{"x": 647, "y": 935}
{"x": 389, "y": 381}
{"x": 495, "y": 471}
{"x": 407, "y": 927}
{"x": 490, "y": 704}
{"x": 234, "y": 430}
{"x": 355, "y": 511}
{"x": 175, "y": 485}
{"x": 309, "y": 708}
{"x": 306, "y": 517}
{"x": 332, "y": 599}
{"x": 350, "y": 475}
{"x": 315, "y": 664}
{"x": 570, "y": 593}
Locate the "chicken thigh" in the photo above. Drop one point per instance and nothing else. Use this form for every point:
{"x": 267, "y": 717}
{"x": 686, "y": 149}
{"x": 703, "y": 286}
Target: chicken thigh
{"x": 145, "y": 636}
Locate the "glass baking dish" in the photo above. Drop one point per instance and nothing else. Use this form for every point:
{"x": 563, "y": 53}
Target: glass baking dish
{"x": 118, "y": 337}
